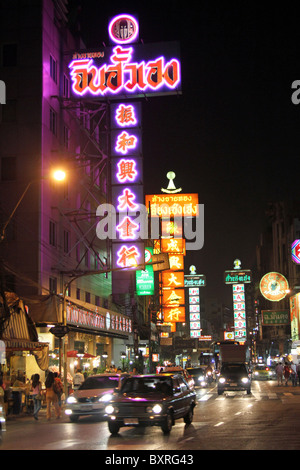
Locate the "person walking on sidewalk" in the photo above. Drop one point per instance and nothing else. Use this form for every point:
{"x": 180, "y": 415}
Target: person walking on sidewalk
{"x": 36, "y": 395}
{"x": 293, "y": 374}
{"x": 298, "y": 372}
{"x": 286, "y": 374}
{"x": 279, "y": 373}
{"x": 51, "y": 397}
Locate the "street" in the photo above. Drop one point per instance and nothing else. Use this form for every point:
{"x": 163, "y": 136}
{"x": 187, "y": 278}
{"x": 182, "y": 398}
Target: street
{"x": 268, "y": 419}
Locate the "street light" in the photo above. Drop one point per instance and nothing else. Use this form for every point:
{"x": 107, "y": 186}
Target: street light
{"x": 57, "y": 174}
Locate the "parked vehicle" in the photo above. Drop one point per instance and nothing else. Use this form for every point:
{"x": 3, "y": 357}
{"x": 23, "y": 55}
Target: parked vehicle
{"x": 92, "y": 395}
{"x": 151, "y": 400}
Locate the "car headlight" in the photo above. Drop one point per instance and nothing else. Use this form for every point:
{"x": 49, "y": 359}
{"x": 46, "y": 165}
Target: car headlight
{"x": 255, "y": 373}
{"x": 154, "y": 409}
{"x": 109, "y": 409}
{"x": 244, "y": 380}
{"x": 222, "y": 380}
{"x": 106, "y": 397}
{"x": 71, "y": 399}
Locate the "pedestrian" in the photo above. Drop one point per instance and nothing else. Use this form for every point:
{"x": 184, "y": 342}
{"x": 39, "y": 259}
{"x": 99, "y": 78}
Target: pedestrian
{"x": 78, "y": 379}
{"x": 298, "y": 372}
{"x": 36, "y": 391}
{"x": 286, "y": 373}
{"x": 58, "y": 387}
{"x": 51, "y": 397}
{"x": 279, "y": 373}
{"x": 293, "y": 374}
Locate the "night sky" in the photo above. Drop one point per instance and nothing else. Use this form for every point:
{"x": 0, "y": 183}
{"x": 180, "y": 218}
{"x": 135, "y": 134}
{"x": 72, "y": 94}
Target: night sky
{"x": 233, "y": 136}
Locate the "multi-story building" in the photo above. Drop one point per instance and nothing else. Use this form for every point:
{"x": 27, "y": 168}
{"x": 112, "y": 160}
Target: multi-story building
{"x": 51, "y": 237}
{"x": 274, "y": 254}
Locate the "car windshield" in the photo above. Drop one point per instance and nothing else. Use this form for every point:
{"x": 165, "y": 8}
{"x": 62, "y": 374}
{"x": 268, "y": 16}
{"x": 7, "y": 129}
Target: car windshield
{"x": 196, "y": 371}
{"x": 148, "y": 385}
{"x": 233, "y": 369}
{"x": 100, "y": 382}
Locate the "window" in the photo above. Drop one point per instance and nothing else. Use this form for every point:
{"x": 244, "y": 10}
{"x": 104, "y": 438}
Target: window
{"x": 53, "y": 285}
{"x": 66, "y": 241}
{"x": 53, "y": 68}
{"x": 52, "y": 233}
{"x": 53, "y": 121}
{"x": 66, "y": 90}
{"x": 9, "y": 55}
{"x": 88, "y": 297}
{"x": 97, "y": 300}
{"x": 8, "y": 168}
{"x": 66, "y": 137}
{"x": 78, "y": 294}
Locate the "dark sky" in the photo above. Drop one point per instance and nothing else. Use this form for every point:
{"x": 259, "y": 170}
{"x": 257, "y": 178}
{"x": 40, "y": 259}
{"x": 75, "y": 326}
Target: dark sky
{"x": 233, "y": 135}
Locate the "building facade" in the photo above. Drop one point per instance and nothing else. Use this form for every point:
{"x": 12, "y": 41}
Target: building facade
{"x": 49, "y": 236}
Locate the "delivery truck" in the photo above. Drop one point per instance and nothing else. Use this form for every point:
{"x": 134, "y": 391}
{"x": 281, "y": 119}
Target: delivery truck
{"x": 233, "y": 361}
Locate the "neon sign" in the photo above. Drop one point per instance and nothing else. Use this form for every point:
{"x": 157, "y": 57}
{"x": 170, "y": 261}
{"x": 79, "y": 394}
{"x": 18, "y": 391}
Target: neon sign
{"x": 126, "y": 170}
{"x": 123, "y": 75}
{"x": 123, "y": 29}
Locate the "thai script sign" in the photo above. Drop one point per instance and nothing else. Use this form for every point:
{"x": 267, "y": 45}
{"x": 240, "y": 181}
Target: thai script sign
{"x": 122, "y": 71}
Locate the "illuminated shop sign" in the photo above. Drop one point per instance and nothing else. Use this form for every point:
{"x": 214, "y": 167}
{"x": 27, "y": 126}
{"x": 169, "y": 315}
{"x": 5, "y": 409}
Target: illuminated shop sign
{"x": 123, "y": 29}
{"x": 274, "y": 286}
{"x": 122, "y": 71}
{"x": 172, "y": 204}
{"x": 98, "y": 321}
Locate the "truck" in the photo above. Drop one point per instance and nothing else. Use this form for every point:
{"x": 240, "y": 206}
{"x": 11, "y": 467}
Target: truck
{"x": 232, "y": 351}
{"x": 233, "y": 362}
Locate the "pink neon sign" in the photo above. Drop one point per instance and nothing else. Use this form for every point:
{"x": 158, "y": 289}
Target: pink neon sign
{"x": 126, "y": 170}
{"x": 125, "y": 142}
{"x": 128, "y": 256}
{"x": 123, "y": 75}
{"x": 125, "y": 115}
{"x": 126, "y": 201}
{"x": 123, "y": 29}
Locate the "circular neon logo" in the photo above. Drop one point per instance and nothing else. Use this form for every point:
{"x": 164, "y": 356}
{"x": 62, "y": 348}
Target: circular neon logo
{"x": 274, "y": 286}
{"x": 123, "y": 29}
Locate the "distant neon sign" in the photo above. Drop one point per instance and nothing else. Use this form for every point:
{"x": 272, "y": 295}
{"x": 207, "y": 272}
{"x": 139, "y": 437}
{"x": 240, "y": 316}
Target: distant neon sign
{"x": 122, "y": 75}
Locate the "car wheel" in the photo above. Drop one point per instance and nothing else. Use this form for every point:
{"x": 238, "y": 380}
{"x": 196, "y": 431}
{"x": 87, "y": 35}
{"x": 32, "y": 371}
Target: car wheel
{"x": 167, "y": 425}
{"x": 188, "y": 418}
{"x": 113, "y": 427}
{"x": 74, "y": 418}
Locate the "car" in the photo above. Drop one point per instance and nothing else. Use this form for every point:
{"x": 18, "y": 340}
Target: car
{"x": 263, "y": 372}
{"x": 151, "y": 400}
{"x": 181, "y": 371}
{"x": 198, "y": 375}
{"x": 2, "y": 420}
{"x": 234, "y": 376}
{"x": 92, "y": 395}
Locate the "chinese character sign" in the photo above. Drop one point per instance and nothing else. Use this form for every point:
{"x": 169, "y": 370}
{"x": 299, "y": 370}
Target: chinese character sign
{"x": 127, "y": 190}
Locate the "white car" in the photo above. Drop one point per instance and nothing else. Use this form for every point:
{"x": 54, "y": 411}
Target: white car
{"x": 93, "y": 395}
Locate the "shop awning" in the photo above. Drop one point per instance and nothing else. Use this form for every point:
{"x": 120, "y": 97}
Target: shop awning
{"x": 19, "y": 332}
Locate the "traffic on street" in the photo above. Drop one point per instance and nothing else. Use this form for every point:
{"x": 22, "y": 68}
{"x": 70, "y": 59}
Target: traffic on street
{"x": 266, "y": 419}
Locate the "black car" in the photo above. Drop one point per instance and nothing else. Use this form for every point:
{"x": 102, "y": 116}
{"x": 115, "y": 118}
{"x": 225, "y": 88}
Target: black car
{"x": 151, "y": 400}
{"x": 234, "y": 376}
{"x": 199, "y": 376}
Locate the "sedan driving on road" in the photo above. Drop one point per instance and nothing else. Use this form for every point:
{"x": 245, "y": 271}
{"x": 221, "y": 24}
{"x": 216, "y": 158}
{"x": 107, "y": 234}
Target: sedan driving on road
{"x": 92, "y": 395}
{"x": 199, "y": 376}
{"x": 151, "y": 400}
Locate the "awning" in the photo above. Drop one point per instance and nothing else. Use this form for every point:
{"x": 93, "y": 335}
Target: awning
{"x": 19, "y": 332}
